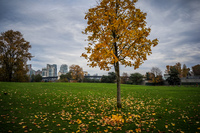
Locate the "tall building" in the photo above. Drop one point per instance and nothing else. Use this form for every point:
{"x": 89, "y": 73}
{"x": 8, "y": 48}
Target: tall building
{"x": 63, "y": 69}
{"x": 44, "y": 72}
{"x": 49, "y": 71}
{"x": 30, "y": 70}
{"x": 38, "y": 72}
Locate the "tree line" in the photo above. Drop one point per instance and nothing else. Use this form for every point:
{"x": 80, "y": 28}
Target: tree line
{"x": 176, "y": 72}
{"x": 14, "y": 54}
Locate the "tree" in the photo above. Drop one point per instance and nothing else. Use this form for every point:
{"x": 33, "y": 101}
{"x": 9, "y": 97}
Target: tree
{"x": 182, "y": 72}
{"x": 178, "y": 68}
{"x": 124, "y": 78}
{"x": 32, "y": 78}
{"x": 117, "y": 34}
{"x": 196, "y": 70}
{"x": 38, "y": 78}
{"x": 149, "y": 76}
{"x": 156, "y": 75}
{"x": 185, "y": 71}
{"x": 167, "y": 69}
{"x": 156, "y": 71}
{"x": 65, "y": 77}
{"x": 105, "y": 79}
{"x": 136, "y": 78}
{"x": 76, "y": 72}
{"x": 111, "y": 78}
{"x": 14, "y": 54}
{"x": 174, "y": 78}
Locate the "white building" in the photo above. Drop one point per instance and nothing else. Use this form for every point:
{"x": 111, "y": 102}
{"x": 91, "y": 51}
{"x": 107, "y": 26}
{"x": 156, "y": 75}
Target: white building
{"x": 49, "y": 71}
{"x": 44, "y": 72}
{"x": 63, "y": 69}
{"x": 30, "y": 70}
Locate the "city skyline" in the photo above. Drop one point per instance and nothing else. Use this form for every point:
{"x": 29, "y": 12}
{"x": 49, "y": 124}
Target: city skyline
{"x": 63, "y": 70}
{"x": 53, "y": 29}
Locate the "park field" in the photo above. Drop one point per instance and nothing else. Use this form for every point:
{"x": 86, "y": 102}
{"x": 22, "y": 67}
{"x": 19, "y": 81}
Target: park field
{"x": 91, "y": 107}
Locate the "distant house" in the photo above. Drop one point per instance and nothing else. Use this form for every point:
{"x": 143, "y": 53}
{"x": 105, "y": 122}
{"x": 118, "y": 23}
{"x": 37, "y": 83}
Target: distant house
{"x": 190, "y": 80}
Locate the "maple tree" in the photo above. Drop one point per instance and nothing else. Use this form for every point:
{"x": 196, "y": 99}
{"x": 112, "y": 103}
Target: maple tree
{"x": 14, "y": 54}
{"x": 76, "y": 72}
{"x": 117, "y": 35}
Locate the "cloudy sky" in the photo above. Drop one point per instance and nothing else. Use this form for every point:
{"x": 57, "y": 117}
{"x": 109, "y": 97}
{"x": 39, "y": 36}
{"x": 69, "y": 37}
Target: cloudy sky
{"x": 53, "y": 28}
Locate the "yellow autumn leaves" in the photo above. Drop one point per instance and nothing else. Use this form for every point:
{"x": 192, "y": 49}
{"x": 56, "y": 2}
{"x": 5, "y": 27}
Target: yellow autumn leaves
{"x": 114, "y": 22}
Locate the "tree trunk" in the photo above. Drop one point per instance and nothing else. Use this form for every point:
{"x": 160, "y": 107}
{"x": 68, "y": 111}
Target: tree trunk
{"x": 119, "y": 105}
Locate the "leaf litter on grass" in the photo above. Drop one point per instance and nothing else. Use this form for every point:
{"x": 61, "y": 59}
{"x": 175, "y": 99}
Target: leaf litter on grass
{"x": 55, "y": 110}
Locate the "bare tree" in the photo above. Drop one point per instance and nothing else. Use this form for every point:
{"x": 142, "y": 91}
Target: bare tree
{"x": 156, "y": 71}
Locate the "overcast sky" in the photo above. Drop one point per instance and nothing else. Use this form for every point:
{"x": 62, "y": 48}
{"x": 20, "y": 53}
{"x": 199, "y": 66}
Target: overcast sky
{"x": 53, "y": 28}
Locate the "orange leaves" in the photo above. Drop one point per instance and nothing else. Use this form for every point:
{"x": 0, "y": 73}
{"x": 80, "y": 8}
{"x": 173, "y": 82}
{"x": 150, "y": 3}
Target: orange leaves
{"x": 78, "y": 121}
{"x": 76, "y": 72}
{"x": 117, "y": 22}
{"x": 113, "y": 121}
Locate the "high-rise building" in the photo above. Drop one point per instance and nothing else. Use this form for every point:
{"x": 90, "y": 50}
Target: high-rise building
{"x": 30, "y": 70}
{"x": 51, "y": 70}
{"x": 44, "y": 72}
{"x": 63, "y": 69}
{"x": 38, "y": 72}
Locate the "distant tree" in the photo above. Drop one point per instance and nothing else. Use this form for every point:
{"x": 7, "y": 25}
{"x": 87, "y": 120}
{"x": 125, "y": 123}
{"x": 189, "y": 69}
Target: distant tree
{"x": 124, "y": 78}
{"x": 32, "y": 78}
{"x": 111, "y": 78}
{"x": 178, "y": 68}
{"x": 196, "y": 70}
{"x": 136, "y": 78}
{"x": 76, "y": 72}
{"x": 167, "y": 69}
{"x": 182, "y": 72}
{"x": 185, "y": 71}
{"x": 156, "y": 75}
{"x": 38, "y": 78}
{"x": 174, "y": 78}
{"x": 117, "y": 34}
{"x": 158, "y": 80}
{"x": 156, "y": 71}
{"x": 65, "y": 77}
{"x": 14, "y": 54}
{"x": 148, "y": 76}
{"x": 88, "y": 80}
{"x": 105, "y": 79}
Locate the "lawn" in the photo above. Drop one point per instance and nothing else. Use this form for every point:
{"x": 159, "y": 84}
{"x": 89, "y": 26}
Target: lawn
{"x": 88, "y": 107}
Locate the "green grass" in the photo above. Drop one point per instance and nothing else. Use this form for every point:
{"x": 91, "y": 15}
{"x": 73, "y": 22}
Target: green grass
{"x": 87, "y": 107}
